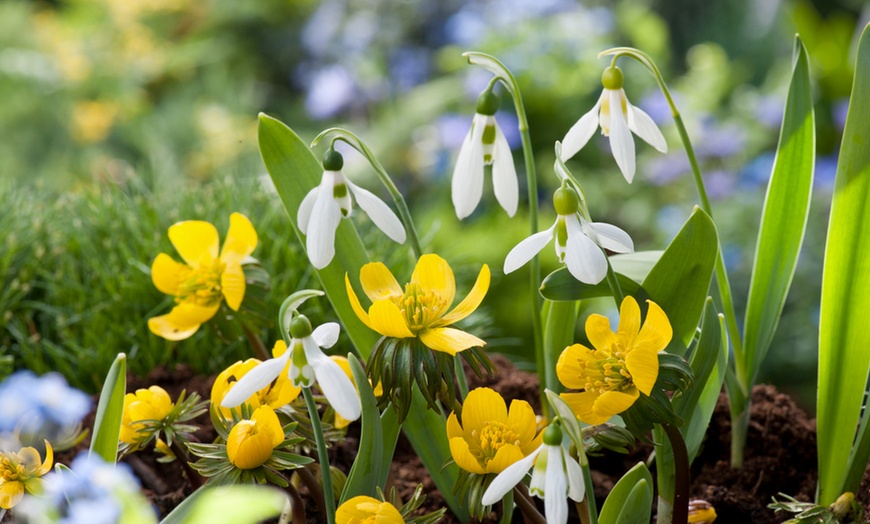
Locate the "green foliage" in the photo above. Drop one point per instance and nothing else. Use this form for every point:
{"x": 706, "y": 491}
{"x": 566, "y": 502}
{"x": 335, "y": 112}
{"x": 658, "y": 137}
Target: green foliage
{"x": 110, "y": 410}
{"x": 630, "y": 500}
{"x": 365, "y": 475}
{"x": 844, "y": 362}
{"x": 241, "y": 504}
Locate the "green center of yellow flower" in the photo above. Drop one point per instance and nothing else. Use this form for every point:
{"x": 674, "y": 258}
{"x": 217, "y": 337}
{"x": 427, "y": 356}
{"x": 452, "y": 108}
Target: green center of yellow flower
{"x": 421, "y": 307}
{"x": 607, "y": 372}
{"x": 493, "y": 436}
{"x": 201, "y": 286}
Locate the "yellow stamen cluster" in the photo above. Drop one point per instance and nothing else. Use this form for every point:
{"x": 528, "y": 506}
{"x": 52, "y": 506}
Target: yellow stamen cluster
{"x": 421, "y": 307}
{"x": 12, "y": 471}
{"x": 201, "y": 286}
{"x": 492, "y": 437}
{"x": 607, "y": 372}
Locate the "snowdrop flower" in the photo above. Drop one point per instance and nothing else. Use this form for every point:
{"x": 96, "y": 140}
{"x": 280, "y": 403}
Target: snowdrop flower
{"x": 304, "y": 363}
{"x": 577, "y": 241}
{"x": 324, "y": 206}
{"x": 484, "y": 145}
{"x": 556, "y": 476}
{"x": 614, "y": 124}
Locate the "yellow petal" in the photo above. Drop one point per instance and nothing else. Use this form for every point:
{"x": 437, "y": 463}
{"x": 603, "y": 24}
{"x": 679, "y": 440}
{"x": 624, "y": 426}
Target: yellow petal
{"x": 568, "y": 369}
{"x": 656, "y": 332}
{"x": 366, "y": 509}
{"x": 241, "y": 240}
{"x": 463, "y": 457}
{"x": 267, "y": 421}
{"x": 521, "y": 418}
{"x": 227, "y": 378}
{"x": 482, "y": 405}
{"x": 158, "y": 398}
{"x": 354, "y": 303}
{"x": 29, "y": 458}
{"x": 434, "y": 274}
{"x": 279, "y": 348}
{"x": 387, "y": 320}
{"x": 599, "y": 333}
{"x": 453, "y": 427}
{"x": 449, "y": 340}
{"x": 11, "y": 494}
{"x": 233, "y": 285}
{"x": 163, "y": 326}
{"x": 471, "y": 302}
{"x": 504, "y": 457}
{"x": 378, "y": 282}
{"x": 614, "y": 402}
{"x": 629, "y": 318}
{"x": 49, "y": 460}
{"x": 165, "y": 273}
{"x": 196, "y": 241}
{"x": 582, "y": 405}
{"x": 643, "y": 366}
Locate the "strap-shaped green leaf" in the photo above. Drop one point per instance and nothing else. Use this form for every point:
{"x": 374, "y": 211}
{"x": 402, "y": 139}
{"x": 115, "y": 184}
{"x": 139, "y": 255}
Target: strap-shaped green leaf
{"x": 680, "y": 280}
{"x": 295, "y": 171}
{"x": 110, "y": 410}
{"x": 365, "y": 474}
{"x": 238, "y": 504}
{"x": 783, "y": 220}
{"x": 630, "y": 500}
{"x": 844, "y": 359}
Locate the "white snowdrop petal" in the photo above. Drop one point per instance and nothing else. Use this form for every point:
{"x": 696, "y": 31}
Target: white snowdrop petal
{"x": 304, "y": 213}
{"x": 555, "y": 501}
{"x": 504, "y": 174}
{"x": 467, "y": 183}
{"x": 621, "y": 141}
{"x": 537, "y": 486}
{"x": 581, "y": 132}
{"x": 507, "y": 479}
{"x": 643, "y": 126}
{"x": 326, "y": 335}
{"x": 576, "y": 487}
{"x": 379, "y": 212}
{"x": 255, "y": 380}
{"x": 320, "y": 242}
{"x": 585, "y": 260}
{"x": 336, "y": 386}
{"x": 526, "y": 250}
{"x": 609, "y": 236}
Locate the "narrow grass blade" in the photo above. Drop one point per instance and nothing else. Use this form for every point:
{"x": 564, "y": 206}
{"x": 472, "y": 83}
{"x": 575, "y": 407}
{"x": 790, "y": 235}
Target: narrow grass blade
{"x": 110, "y": 409}
{"x": 844, "y": 361}
{"x": 680, "y": 280}
{"x": 365, "y": 474}
{"x": 559, "y": 320}
{"x": 783, "y": 220}
{"x": 238, "y": 504}
{"x": 295, "y": 171}
{"x": 630, "y": 500}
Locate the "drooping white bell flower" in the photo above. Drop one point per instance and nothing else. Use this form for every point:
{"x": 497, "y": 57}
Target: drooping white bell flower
{"x": 305, "y": 364}
{"x": 577, "y": 241}
{"x": 618, "y": 125}
{"x": 485, "y": 144}
{"x": 324, "y": 206}
{"x": 556, "y": 477}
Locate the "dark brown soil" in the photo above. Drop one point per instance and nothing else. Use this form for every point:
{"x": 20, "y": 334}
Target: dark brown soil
{"x": 780, "y": 454}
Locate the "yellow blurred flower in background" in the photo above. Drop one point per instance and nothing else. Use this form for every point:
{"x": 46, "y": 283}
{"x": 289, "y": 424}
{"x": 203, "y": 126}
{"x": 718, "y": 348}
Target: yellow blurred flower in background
{"x": 92, "y": 120}
{"x": 206, "y": 278}
{"x": 22, "y": 471}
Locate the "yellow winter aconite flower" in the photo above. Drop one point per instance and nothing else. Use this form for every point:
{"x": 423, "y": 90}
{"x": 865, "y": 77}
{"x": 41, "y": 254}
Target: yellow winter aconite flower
{"x": 146, "y": 404}
{"x": 22, "y": 471}
{"x": 251, "y": 442}
{"x": 491, "y": 438}
{"x": 362, "y": 509}
{"x": 206, "y": 278}
{"x": 277, "y": 393}
{"x": 421, "y": 309}
{"x": 623, "y": 364}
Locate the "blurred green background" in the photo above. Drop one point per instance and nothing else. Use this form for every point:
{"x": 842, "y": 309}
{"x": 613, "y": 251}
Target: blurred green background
{"x": 120, "y": 117}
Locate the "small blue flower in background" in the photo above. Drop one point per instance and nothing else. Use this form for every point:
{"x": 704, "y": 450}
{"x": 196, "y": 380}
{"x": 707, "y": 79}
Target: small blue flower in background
{"x": 664, "y": 169}
{"x": 840, "y": 111}
{"x": 91, "y": 492}
{"x": 720, "y": 140}
{"x": 757, "y": 171}
{"x": 720, "y": 183}
{"x": 769, "y": 110}
{"x": 43, "y": 406}
{"x": 826, "y": 171}
{"x": 656, "y": 106}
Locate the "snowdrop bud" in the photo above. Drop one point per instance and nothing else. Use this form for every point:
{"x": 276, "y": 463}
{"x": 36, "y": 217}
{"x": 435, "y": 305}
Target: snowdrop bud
{"x": 612, "y": 78}
{"x": 553, "y": 435}
{"x": 566, "y": 201}
{"x": 332, "y": 160}
{"x": 487, "y": 103}
{"x": 300, "y": 327}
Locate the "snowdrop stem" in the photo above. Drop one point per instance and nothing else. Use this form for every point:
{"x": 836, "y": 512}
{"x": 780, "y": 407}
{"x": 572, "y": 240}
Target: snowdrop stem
{"x": 588, "y": 502}
{"x": 334, "y": 134}
{"x": 527, "y": 506}
{"x": 681, "y": 475}
{"x": 721, "y": 276}
{"x": 613, "y": 282}
{"x": 322, "y": 456}
{"x": 504, "y": 75}
{"x": 255, "y": 341}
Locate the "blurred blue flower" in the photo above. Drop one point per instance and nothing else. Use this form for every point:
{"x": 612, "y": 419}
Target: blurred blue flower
{"x": 839, "y": 111}
{"x": 330, "y": 90}
{"x": 733, "y": 256}
{"x": 757, "y": 171}
{"x": 826, "y": 171}
{"x": 720, "y": 141}
{"x": 91, "y": 492}
{"x": 656, "y": 106}
{"x": 720, "y": 183}
{"x": 43, "y": 405}
{"x": 769, "y": 110}
{"x": 666, "y": 168}
{"x": 510, "y": 126}
{"x": 452, "y": 128}
{"x": 670, "y": 219}
{"x": 467, "y": 26}
{"x": 409, "y": 67}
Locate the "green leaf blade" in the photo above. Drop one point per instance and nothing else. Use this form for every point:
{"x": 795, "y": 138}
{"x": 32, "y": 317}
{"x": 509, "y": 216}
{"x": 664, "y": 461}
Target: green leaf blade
{"x": 365, "y": 474}
{"x": 110, "y": 410}
{"x": 844, "y": 362}
{"x": 783, "y": 220}
{"x": 630, "y": 500}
